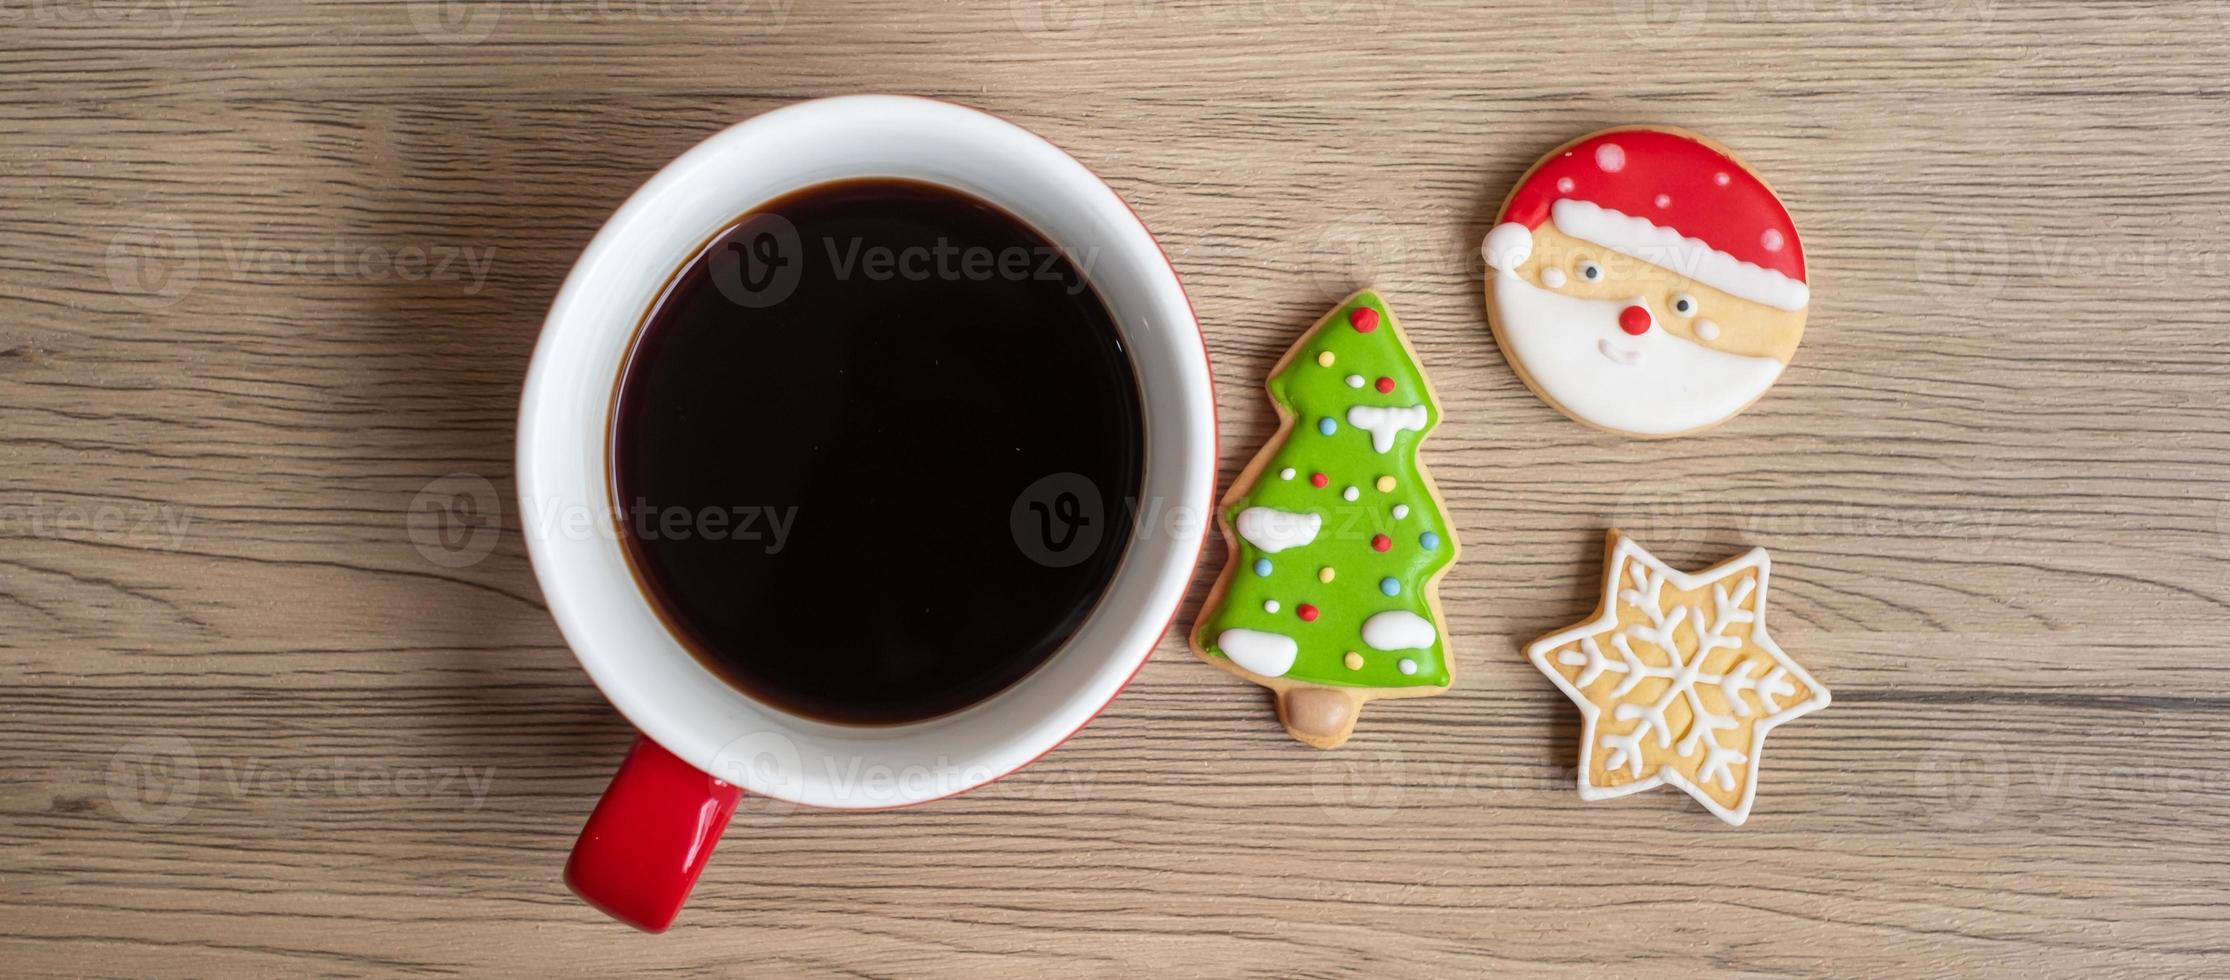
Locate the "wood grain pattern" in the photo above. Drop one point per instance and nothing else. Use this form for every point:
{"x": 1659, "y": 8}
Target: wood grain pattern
{"x": 268, "y": 272}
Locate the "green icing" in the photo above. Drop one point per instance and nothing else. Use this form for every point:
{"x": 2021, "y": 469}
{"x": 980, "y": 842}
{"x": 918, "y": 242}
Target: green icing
{"x": 1310, "y": 392}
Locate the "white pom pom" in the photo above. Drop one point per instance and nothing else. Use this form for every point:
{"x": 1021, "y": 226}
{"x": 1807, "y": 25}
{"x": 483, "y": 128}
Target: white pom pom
{"x": 1507, "y": 246}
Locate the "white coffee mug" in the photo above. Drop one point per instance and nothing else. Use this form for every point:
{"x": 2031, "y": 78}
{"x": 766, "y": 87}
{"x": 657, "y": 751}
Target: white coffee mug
{"x": 703, "y": 739}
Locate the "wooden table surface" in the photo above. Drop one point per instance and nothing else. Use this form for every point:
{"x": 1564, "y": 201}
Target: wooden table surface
{"x": 270, "y": 275}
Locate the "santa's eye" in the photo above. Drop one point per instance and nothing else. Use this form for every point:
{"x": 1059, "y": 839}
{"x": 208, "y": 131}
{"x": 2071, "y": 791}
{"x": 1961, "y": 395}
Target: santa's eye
{"x": 1684, "y": 304}
{"x": 1590, "y": 272}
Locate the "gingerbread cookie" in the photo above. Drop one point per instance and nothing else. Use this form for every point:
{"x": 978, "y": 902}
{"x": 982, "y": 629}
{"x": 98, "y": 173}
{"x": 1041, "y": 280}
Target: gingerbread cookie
{"x": 1337, "y": 537}
{"x": 1677, "y": 680}
{"x": 1643, "y": 280}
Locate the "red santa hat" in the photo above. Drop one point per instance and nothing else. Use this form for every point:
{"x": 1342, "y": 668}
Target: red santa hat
{"x": 1667, "y": 199}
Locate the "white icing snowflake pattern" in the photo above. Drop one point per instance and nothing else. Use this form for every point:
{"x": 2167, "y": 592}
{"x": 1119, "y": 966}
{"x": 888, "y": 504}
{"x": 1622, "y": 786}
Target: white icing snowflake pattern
{"x": 1666, "y": 652}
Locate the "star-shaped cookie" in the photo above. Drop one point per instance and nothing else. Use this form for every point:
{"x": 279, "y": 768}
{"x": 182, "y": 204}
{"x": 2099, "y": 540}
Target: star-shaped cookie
{"x": 1676, "y": 679}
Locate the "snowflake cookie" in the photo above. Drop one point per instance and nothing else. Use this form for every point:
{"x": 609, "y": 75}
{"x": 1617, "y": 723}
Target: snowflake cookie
{"x": 1338, "y": 539}
{"x": 1677, "y": 680}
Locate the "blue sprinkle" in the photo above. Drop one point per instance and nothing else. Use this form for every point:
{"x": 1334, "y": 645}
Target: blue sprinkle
{"x": 1429, "y": 540}
{"x": 1262, "y": 566}
{"x": 1326, "y": 425}
{"x": 1389, "y": 586}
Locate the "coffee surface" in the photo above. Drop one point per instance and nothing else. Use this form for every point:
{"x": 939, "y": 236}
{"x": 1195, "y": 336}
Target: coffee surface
{"x": 875, "y": 451}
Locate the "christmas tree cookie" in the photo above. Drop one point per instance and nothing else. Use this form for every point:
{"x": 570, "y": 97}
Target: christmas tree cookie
{"x": 1337, "y": 537}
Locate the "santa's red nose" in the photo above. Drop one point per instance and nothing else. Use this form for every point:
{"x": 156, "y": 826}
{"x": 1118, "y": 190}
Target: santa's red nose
{"x": 1634, "y": 320}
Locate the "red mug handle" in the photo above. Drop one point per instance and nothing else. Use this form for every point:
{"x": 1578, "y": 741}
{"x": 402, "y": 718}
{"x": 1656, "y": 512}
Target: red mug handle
{"x": 649, "y": 837}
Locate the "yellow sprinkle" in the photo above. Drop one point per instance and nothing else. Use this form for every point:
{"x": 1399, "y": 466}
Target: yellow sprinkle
{"x": 1324, "y": 574}
{"x": 1354, "y": 660}
{"x": 1385, "y": 484}
{"x": 1325, "y": 359}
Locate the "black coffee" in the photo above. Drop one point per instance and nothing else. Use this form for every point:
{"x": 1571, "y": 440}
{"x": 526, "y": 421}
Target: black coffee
{"x": 873, "y": 448}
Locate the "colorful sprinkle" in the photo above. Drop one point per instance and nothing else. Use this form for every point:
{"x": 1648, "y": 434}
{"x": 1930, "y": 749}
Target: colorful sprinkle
{"x": 1325, "y": 359}
{"x": 1428, "y": 540}
{"x": 1386, "y": 484}
{"x": 1326, "y": 425}
{"x": 1363, "y": 319}
{"x": 1380, "y": 542}
{"x": 1353, "y": 660}
{"x": 1269, "y": 605}
{"x": 1262, "y": 566}
{"x": 1385, "y": 386}
{"x": 1325, "y": 574}
{"x": 1354, "y": 380}
{"x": 1401, "y": 511}
{"x": 1350, "y": 493}
{"x": 1407, "y": 665}
{"x": 1286, "y": 473}
{"x": 1318, "y": 479}
{"x": 1389, "y": 586}
{"x": 1306, "y": 612}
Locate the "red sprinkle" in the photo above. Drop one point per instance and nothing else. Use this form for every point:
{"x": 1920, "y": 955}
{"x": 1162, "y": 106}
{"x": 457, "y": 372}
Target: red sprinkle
{"x": 1381, "y": 542}
{"x": 1363, "y": 319}
{"x": 1306, "y": 612}
{"x": 1386, "y": 386}
{"x": 1318, "y": 479}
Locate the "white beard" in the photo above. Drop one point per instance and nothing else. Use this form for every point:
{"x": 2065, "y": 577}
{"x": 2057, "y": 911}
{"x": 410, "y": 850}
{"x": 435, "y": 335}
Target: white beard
{"x": 1653, "y": 385}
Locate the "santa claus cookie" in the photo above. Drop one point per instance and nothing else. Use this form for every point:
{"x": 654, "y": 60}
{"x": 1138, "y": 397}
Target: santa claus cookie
{"x": 1337, "y": 537}
{"x": 1643, "y": 280}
